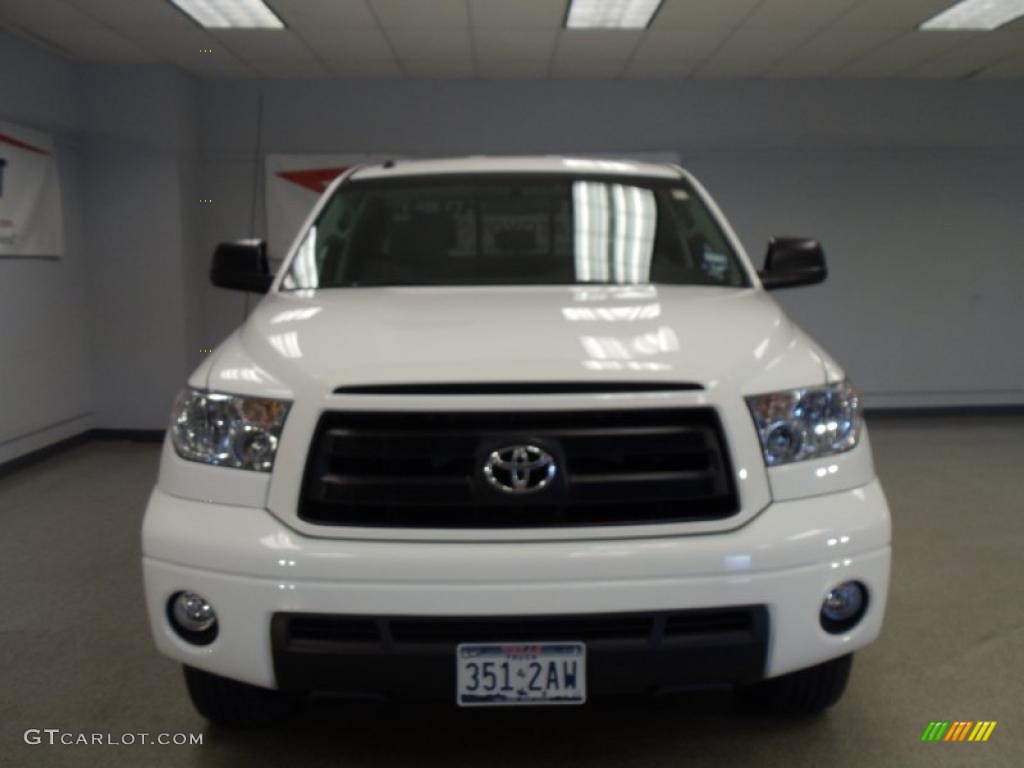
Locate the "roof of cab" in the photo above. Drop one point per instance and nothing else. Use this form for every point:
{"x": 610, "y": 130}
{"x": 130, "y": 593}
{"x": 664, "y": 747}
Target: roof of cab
{"x": 515, "y": 164}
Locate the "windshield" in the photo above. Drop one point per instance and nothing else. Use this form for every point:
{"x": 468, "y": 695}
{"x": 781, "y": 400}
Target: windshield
{"x": 513, "y": 230}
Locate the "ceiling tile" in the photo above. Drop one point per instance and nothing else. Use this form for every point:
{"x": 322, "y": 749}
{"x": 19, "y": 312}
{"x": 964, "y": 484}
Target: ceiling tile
{"x": 586, "y": 44}
{"x": 33, "y": 14}
{"x": 680, "y": 43}
{"x": 806, "y": 14}
{"x": 582, "y": 68}
{"x": 759, "y": 43}
{"x": 183, "y": 45}
{"x": 94, "y": 43}
{"x": 1011, "y": 66}
{"x": 125, "y": 14}
{"x": 513, "y": 68}
{"x": 365, "y": 68}
{"x": 643, "y": 68}
{"x": 973, "y": 55}
{"x": 262, "y": 44}
{"x": 702, "y": 13}
{"x": 719, "y": 67}
{"x": 830, "y": 50}
{"x": 896, "y": 57}
{"x": 518, "y": 13}
{"x": 421, "y": 13}
{"x": 333, "y": 43}
{"x": 435, "y": 43}
{"x": 440, "y": 68}
{"x": 518, "y": 43}
{"x": 893, "y": 14}
{"x": 334, "y": 14}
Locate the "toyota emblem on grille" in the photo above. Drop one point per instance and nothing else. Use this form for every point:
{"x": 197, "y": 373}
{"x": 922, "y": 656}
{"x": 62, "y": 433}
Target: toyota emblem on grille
{"x": 520, "y": 469}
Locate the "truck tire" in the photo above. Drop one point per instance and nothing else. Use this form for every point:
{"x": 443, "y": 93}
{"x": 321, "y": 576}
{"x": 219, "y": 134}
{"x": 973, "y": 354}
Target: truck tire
{"x": 804, "y": 692}
{"x": 233, "y": 704}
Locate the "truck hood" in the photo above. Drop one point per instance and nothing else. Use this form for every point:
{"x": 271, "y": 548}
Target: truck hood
{"x": 711, "y": 336}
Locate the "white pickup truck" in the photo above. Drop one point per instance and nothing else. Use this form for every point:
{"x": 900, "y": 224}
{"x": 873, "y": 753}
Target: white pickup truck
{"x": 515, "y": 431}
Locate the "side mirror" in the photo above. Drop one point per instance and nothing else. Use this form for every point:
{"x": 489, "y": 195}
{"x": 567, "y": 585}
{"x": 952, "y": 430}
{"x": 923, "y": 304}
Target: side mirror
{"x": 242, "y": 266}
{"x": 792, "y": 261}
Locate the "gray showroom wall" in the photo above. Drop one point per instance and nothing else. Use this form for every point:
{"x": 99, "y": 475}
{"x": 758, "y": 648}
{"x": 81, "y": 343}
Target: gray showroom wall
{"x": 141, "y": 166}
{"x": 102, "y": 337}
{"x": 45, "y": 337}
{"x": 913, "y": 186}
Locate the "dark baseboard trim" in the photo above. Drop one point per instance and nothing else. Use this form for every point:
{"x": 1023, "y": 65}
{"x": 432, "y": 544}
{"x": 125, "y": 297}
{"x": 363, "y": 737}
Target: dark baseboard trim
{"x": 944, "y": 410}
{"x": 41, "y": 454}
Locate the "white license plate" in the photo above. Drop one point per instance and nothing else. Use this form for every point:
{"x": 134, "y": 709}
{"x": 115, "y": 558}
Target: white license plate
{"x": 496, "y": 674}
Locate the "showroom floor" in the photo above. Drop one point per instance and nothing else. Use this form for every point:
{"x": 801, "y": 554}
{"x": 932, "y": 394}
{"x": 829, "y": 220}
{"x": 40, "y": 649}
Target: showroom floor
{"x": 77, "y": 654}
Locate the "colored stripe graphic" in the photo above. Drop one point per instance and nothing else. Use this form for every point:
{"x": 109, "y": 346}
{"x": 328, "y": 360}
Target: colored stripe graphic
{"x": 958, "y": 730}
{"x": 982, "y": 730}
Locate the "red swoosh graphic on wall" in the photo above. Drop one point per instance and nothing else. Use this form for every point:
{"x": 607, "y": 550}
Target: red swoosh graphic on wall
{"x": 314, "y": 179}
{"x": 5, "y": 139}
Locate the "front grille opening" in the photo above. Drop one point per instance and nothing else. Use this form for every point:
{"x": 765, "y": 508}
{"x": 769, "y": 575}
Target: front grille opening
{"x": 423, "y": 470}
{"x": 316, "y": 632}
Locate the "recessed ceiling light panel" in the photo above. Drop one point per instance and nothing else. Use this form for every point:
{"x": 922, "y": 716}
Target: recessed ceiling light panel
{"x": 611, "y": 14}
{"x": 978, "y": 15}
{"x": 231, "y": 14}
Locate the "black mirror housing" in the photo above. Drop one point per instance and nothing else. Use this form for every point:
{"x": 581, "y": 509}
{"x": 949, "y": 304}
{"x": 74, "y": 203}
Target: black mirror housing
{"x": 241, "y": 265}
{"x": 793, "y": 261}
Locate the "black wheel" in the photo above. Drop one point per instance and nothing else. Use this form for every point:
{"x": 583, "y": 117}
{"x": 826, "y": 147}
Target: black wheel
{"x": 231, "y": 703}
{"x": 804, "y": 692}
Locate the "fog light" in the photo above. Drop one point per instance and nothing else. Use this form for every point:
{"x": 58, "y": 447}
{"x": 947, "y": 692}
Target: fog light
{"x": 193, "y": 617}
{"x": 844, "y": 606}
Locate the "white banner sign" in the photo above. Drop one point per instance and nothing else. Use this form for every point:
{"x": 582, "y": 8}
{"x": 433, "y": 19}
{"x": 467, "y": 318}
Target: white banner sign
{"x": 294, "y": 183}
{"x": 30, "y": 211}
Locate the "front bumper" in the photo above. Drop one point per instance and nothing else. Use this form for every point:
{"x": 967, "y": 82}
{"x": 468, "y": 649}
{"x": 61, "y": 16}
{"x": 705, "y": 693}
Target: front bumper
{"x": 251, "y": 566}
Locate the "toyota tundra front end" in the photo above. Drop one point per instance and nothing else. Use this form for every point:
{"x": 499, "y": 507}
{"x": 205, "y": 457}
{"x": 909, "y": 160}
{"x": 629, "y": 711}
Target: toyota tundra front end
{"x": 515, "y": 431}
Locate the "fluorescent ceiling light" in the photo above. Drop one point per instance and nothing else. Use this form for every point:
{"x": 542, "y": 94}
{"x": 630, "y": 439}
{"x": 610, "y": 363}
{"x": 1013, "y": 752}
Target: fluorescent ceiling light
{"x": 231, "y": 14}
{"x": 611, "y": 14}
{"x": 976, "y": 14}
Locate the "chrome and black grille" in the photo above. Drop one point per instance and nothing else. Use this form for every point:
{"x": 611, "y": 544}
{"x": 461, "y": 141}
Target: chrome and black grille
{"x": 413, "y": 655}
{"x": 425, "y": 470}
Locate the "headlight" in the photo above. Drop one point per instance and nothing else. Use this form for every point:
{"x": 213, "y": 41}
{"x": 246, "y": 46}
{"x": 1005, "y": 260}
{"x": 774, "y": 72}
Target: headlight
{"x": 227, "y": 430}
{"x": 809, "y": 423}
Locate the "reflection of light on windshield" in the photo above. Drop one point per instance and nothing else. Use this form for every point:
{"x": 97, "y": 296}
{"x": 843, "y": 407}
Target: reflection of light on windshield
{"x": 614, "y": 232}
